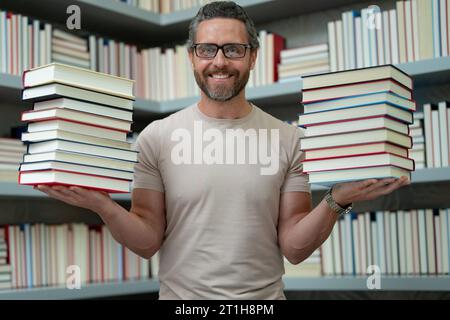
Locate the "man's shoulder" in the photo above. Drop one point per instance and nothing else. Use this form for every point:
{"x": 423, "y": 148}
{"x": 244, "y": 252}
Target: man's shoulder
{"x": 269, "y": 121}
{"x": 170, "y": 122}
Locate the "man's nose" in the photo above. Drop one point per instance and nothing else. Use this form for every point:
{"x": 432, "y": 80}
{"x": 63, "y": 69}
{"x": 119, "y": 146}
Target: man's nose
{"x": 220, "y": 60}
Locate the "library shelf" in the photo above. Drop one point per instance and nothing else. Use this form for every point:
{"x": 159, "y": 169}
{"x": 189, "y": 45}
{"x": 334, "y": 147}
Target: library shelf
{"x": 359, "y": 283}
{"x": 428, "y": 175}
{"x": 324, "y": 283}
{"x": 429, "y": 72}
{"x": 118, "y": 20}
{"x": 87, "y": 291}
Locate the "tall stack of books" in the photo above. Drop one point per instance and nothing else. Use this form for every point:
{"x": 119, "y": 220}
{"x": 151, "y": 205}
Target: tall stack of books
{"x": 356, "y": 125}
{"x": 303, "y": 61}
{"x": 5, "y": 268}
{"x": 11, "y": 154}
{"x": 77, "y": 130}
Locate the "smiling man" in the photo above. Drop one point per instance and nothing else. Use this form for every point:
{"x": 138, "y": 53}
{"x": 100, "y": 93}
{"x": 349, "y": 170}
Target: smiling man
{"x": 200, "y": 198}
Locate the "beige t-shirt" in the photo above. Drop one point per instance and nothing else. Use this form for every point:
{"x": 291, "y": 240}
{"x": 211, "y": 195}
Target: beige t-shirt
{"x": 222, "y": 180}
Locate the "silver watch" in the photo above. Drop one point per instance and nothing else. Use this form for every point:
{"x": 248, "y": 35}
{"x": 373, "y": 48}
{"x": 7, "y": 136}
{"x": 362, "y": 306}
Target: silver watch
{"x": 334, "y": 206}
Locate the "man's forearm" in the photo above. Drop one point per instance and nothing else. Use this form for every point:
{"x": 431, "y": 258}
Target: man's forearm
{"x": 309, "y": 233}
{"x": 130, "y": 230}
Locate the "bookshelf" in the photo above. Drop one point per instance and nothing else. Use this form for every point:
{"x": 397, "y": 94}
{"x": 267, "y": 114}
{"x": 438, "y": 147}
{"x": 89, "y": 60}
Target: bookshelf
{"x": 429, "y": 72}
{"x": 342, "y": 283}
{"x": 429, "y": 175}
{"x": 120, "y": 21}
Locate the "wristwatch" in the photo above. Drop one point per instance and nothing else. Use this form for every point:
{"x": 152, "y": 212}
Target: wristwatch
{"x": 334, "y": 206}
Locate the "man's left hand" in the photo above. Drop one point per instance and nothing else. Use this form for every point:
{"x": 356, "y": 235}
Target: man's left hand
{"x": 348, "y": 192}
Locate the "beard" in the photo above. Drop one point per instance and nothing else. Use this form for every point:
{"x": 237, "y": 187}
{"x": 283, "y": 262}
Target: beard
{"x": 222, "y": 92}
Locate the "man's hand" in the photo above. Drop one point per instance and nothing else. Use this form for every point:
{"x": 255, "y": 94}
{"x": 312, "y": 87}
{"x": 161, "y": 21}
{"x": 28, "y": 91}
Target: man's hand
{"x": 348, "y": 192}
{"x": 77, "y": 196}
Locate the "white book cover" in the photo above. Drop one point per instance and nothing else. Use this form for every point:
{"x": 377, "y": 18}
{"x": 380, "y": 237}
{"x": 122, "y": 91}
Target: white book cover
{"x": 394, "y": 243}
{"x": 415, "y": 29}
{"x": 269, "y": 66}
{"x": 423, "y": 242}
{"x": 368, "y": 240}
{"x": 349, "y": 248}
{"x": 443, "y": 27}
{"x": 415, "y": 241}
{"x": 25, "y": 50}
{"x": 431, "y": 248}
{"x": 356, "y": 245}
{"x": 408, "y": 243}
{"x": 438, "y": 239}
{"x": 409, "y": 32}
{"x": 344, "y": 251}
{"x": 327, "y": 256}
{"x": 337, "y": 254}
{"x": 444, "y": 132}
{"x": 346, "y": 38}
{"x": 381, "y": 242}
{"x": 402, "y": 248}
{"x": 358, "y": 43}
{"x": 362, "y": 236}
{"x": 3, "y": 44}
{"x": 340, "y": 45}
{"x": 428, "y": 135}
{"x": 436, "y": 28}
{"x": 332, "y": 45}
{"x": 436, "y": 139}
{"x": 386, "y": 38}
{"x": 394, "y": 36}
{"x": 389, "y": 245}
{"x": 380, "y": 39}
{"x": 375, "y": 244}
{"x": 401, "y": 31}
{"x": 13, "y": 255}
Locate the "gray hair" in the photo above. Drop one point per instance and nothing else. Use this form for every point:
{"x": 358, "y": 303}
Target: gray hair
{"x": 223, "y": 9}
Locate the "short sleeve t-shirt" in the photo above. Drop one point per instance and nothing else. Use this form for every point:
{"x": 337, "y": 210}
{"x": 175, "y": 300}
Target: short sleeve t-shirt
{"x": 222, "y": 180}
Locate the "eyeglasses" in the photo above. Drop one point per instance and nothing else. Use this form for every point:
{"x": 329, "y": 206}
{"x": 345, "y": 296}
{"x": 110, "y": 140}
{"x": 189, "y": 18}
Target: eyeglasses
{"x": 230, "y": 50}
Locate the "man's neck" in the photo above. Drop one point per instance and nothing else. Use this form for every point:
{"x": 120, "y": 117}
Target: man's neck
{"x": 236, "y": 108}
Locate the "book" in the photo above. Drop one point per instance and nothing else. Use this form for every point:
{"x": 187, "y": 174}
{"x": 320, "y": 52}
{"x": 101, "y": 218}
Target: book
{"x": 76, "y": 116}
{"x": 355, "y": 138}
{"x": 361, "y": 100}
{"x": 54, "y": 177}
{"x": 79, "y": 77}
{"x": 76, "y": 168}
{"x": 328, "y": 178}
{"x": 345, "y": 114}
{"x": 79, "y": 158}
{"x": 355, "y": 150}
{"x": 347, "y": 90}
{"x": 356, "y": 125}
{"x": 92, "y": 108}
{"x": 72, "y": 136}
{"x": 85, "y": 148}
{"x": 56, "y": 90}
{"x": 356, "y": 76}
{"x": 363, "y": 161}
{"x": 74, "y": 127}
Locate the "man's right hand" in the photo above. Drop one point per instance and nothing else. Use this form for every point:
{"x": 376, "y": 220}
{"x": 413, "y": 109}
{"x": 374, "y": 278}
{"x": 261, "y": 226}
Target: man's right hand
{"x": 77, "y": 196}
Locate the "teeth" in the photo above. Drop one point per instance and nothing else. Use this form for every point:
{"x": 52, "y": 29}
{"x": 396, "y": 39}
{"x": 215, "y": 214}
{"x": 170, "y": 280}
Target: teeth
{"x": 220, "y": 76}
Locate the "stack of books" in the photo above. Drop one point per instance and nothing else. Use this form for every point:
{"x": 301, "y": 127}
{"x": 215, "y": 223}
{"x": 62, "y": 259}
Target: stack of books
{"x": 303, "y": 61}
{"x": 70, "y": 49}
{"x": 11, "y": 154}
{"x": 357, "y": 125}
{"x": 310, "y": 267}
{"x": 5, "y": 268}
{"x": 77, "y": 130}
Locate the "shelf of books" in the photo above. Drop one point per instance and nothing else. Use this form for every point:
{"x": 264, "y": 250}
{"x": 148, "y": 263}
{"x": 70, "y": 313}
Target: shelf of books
{"x": 358, "y": 283}
{"x": 134, "y": 287}
{"x": 427, "y": 175}
{"x": 87, "y": 291}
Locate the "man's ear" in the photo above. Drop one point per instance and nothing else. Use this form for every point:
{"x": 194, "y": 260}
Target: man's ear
{"x": 253, "y": 56}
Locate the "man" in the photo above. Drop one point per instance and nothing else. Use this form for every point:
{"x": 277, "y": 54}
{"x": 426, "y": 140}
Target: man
{"x": 209, "y": 194}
